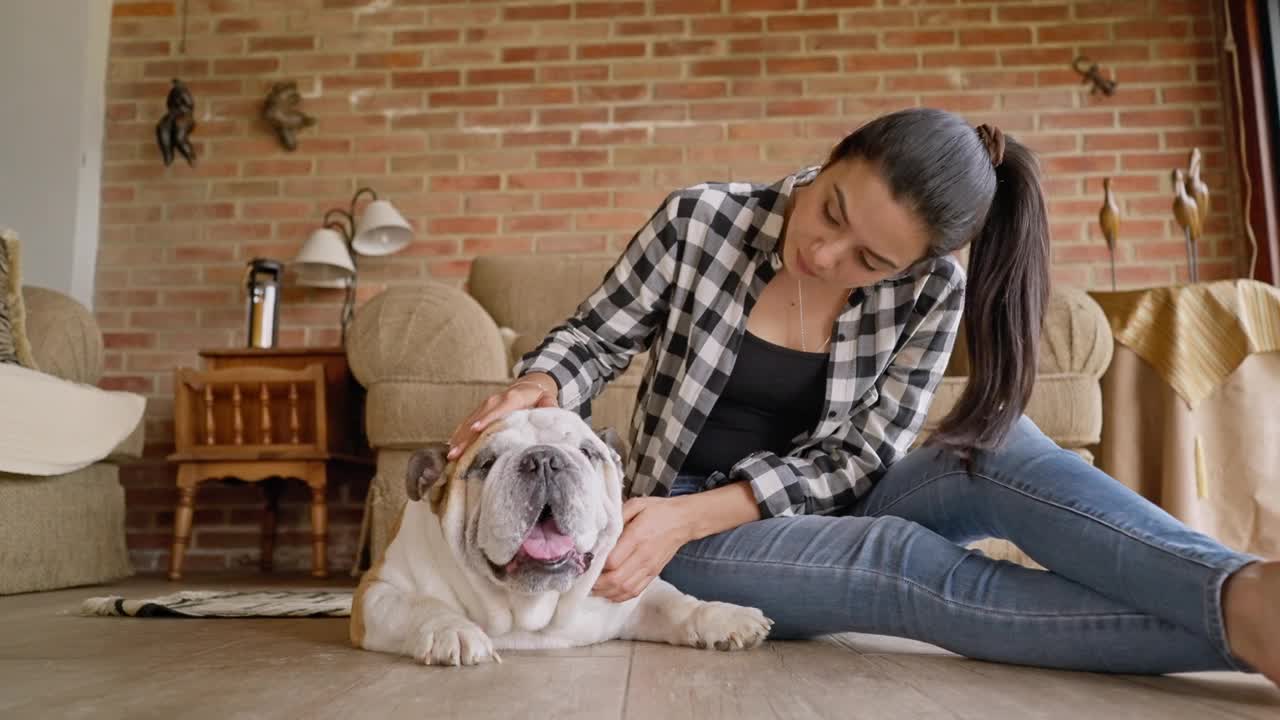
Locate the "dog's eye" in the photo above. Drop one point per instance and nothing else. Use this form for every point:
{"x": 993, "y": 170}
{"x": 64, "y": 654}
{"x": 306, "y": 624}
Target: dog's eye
{"x": 484, "y": 463}
{"x": 590, "y": 452}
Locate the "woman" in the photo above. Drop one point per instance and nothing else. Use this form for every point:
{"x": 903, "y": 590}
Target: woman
{"x": 799, "y": 330}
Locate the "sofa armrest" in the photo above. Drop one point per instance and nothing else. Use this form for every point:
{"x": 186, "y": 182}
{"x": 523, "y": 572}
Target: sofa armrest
{"x": 1077, "y": 337}
{"x": 433, "y": 333}
{"x": 65, "y": 338}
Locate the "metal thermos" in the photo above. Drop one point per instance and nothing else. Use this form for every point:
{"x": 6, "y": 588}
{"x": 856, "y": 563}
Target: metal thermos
{"x": 263, "y": 281}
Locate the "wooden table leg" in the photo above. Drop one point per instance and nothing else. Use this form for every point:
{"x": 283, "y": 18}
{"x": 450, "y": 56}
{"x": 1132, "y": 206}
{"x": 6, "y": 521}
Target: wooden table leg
{"x": 187, "y": 481}
{"x": 319, "y": 519}
{"x": 269, "y": 515}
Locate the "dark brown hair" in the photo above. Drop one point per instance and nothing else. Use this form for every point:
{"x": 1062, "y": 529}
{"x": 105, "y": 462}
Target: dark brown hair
{"x": 974, "y": 185}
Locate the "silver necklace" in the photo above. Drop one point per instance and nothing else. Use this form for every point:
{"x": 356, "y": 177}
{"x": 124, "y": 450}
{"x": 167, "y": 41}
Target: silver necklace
{"x": 803, "y": 344}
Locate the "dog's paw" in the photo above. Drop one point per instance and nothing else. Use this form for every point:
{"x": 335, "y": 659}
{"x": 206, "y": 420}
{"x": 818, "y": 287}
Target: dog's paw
{"x": 727, "y": 627}
{"x": 454, "y": 643}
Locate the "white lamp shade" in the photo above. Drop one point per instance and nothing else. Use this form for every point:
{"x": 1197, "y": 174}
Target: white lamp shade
{"x": 324, "y": 261}
{"x": 382, "y": 230}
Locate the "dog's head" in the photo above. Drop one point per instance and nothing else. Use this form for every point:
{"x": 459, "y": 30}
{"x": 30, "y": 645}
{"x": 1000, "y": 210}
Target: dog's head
{"x": 531, "y": 502}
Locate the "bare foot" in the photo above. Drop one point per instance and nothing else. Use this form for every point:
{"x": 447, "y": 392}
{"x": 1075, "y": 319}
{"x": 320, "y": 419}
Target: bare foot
{"x": 1251, "y": 611}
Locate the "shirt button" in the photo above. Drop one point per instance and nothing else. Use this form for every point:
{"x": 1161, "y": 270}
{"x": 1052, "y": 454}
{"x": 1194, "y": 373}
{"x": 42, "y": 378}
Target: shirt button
{"x": 840, "y": 337}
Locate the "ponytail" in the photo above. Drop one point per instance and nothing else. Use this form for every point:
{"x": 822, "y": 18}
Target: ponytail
{"x": 1004, "y": 307}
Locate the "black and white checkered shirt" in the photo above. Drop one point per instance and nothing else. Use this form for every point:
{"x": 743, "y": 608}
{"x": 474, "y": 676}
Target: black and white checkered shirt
{"x": 683, "y": 288}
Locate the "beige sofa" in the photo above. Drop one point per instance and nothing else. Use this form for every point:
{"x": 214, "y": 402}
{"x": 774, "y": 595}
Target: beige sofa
{"x": 428, "y": 356}
{"x": 64, "y": 530}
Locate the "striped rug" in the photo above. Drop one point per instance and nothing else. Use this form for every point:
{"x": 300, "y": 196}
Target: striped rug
{"x": 227, "y": 603}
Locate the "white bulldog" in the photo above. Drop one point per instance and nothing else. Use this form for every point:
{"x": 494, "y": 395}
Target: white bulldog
{"x": 500, "y": 549}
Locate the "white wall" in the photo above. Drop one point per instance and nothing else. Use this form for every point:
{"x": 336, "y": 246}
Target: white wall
{"x": 53, "y": 58}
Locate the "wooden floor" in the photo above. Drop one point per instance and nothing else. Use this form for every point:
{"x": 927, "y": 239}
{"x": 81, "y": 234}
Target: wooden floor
{"x": 54, "y": 664}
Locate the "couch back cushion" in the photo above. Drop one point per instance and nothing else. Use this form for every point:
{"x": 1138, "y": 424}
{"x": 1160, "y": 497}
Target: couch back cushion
{"x": 533, "y": 293}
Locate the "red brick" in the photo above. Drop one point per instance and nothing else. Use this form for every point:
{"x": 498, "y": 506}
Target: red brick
{"x": 536, "y": 223}
{"x": 1073, "y": 33}
{"x": 685, "y": 7}
{"x": 462, "y": 98}
{"x": 766, "y": 45}
{"x": 573, "y": 73}
{"x": 918, "y": 38}
{"x": 538, "y": 96}
{"x": 877, "y": 62}
{"x": 426, "y": 36}
{"x": 540, "y": 137}
{"x": 996, "y": 36}
{"x": 142, "y": 9}
{"x": 612, "y": 50}
{"x": 802, "y": 23}
{"x": 1023, "y": 14}
{"x": 537, "y": 12}
{"x": 728, "y": 25}
{"x": 571, "y": 158}
{"x": 736, "y": 67}
{"x": 1151, "y": 29}
{"x": 282, "y": 43}
{"x": 802, "y": 66}
{"x": 573, "y": 201}
{"x": 672, "y": 48}
{"x": 960, "y": 58}
{"x": 1157, "y": 118}
{"x": 690, "y": 90}
{"x": 431, "y": 79}
{"x": 573, "y": 116}
{"x": 607, "y": 9}
{"x": 621, "y": 136}
{"x": 500, "y": 76}
{"x": 1094, "y": 142}
{"x": 612, "y": 93}
{"x": 783, "y": 108}
{"x": 1036, "y": 56}
{"x": 541, "y": 53}
{"x": 557, "y": 180}
{"x": 842, "y": 41}
{"x": 649, "y": 27}
{"x": 1077, "y": 120}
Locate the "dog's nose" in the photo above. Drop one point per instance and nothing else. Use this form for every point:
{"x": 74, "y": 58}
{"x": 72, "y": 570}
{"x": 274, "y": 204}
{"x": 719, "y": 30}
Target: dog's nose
{"x": 543, "y": 461}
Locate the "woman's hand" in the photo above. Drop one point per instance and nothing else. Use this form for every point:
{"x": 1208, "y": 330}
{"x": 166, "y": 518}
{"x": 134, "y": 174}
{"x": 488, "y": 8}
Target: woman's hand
{"x": 534, "y": 390}
{"x": 654, "y": 529}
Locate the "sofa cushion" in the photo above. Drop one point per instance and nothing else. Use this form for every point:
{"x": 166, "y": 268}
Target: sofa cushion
{"x": 50, "y": 426}
{"x": 14, "y": 346}
{"x": 65, "y": 339}
{"x": 429, "y": 332}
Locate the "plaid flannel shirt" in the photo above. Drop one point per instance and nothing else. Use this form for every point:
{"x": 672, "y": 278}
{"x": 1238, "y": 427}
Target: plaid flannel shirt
{"x": 683, "y": 288}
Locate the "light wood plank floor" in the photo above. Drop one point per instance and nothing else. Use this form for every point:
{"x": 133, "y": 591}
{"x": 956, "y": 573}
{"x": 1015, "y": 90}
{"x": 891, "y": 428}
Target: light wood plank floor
{"x": 54, "y": 664}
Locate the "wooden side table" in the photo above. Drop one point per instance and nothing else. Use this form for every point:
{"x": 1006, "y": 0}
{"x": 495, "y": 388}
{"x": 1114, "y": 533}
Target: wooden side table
{"x": 262, "y": 416}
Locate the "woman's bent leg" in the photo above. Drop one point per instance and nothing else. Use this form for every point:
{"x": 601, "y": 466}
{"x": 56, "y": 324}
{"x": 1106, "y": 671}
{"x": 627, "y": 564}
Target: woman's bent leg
{"x": 1072, "y": 518}
{"x": 814, "y": 575}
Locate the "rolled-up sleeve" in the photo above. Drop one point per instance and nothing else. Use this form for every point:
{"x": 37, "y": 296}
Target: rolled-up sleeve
{"x": 839, "y": 469}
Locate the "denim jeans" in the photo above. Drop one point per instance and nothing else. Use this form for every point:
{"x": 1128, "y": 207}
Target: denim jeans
{"x": 1128, "y": 588}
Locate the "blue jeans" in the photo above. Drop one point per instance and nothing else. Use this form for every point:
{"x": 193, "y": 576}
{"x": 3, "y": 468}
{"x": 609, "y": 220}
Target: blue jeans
{"x": 1128, "y": 589}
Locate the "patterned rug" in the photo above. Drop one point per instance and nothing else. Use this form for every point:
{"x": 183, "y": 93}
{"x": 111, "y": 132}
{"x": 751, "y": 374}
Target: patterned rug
{"x": 227, "y": 603}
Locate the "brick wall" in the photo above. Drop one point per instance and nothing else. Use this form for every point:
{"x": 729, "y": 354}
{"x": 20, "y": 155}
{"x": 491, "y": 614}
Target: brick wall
{"x": 518, "y": 127}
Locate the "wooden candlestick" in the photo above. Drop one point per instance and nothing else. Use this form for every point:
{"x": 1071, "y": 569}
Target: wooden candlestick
{"x": 1109, "y": 221}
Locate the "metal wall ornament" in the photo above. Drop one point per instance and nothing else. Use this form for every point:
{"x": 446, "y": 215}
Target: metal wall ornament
{"x": 282, "y": 112}
{"x": 173, "y": 132}
{"x": 1092, "y": 74}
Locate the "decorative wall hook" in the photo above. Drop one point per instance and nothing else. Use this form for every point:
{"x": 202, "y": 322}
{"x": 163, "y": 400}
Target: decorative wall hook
{"x": 281, "y": 111}
{"x": 174, "y": 129}
{"x": 1093, "y": 75}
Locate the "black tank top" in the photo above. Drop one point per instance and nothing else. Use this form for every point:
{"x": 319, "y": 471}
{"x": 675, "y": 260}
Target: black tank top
{"x": 773, "y": 394}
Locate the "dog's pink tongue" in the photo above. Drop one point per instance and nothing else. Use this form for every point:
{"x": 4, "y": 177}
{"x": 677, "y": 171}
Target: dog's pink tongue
{"x": 546, "y": 542}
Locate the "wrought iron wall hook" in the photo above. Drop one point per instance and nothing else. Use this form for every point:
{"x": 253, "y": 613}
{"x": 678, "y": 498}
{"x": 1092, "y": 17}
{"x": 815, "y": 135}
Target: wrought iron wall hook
{"x": 1092, "y": 74}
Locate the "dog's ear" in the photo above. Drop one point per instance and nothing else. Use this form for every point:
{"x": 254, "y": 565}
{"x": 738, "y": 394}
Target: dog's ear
{"x": 615, "y": 443}
{"x": 426, "y": 468}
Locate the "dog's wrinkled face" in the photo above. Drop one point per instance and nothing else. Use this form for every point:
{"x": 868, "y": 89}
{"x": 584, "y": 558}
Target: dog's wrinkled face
{"x": 542, "y": 494}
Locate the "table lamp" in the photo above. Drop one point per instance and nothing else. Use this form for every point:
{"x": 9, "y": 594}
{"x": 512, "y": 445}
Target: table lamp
{"x": 328, "y": 258}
